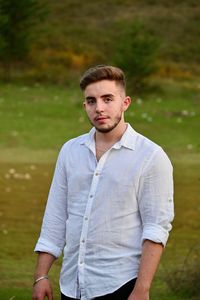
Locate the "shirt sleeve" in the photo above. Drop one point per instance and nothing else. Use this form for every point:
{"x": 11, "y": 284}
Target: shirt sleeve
{"x": 155, "y": 198}
{"x": 52, "y": 236}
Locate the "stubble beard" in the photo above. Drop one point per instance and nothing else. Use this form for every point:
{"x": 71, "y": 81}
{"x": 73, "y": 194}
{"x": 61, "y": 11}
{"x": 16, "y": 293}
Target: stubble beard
{"x": 110, "y": 128}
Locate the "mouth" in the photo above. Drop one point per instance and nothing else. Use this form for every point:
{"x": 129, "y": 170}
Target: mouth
{"x": 101, "y": 118}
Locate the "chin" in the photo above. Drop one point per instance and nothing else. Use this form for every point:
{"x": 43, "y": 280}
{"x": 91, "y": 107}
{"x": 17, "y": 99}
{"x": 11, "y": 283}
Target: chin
{"x": 104, "y": 130}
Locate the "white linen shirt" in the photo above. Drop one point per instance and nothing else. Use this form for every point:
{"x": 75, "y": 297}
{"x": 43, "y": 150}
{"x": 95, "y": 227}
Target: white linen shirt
{"x": 100, "y": 212}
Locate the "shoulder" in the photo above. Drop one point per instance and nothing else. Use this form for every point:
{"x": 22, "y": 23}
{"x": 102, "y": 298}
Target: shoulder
{"x": 74, "y": 142}
{"x": 72, "y": 145}
{"x": 146, "y": 144}
{"x": 153, "y": 153}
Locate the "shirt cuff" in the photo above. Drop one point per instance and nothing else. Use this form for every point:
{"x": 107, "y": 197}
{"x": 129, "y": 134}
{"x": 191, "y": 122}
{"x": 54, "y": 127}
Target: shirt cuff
{"x": 155, "y": 233}
{"x": 46, "y": 246}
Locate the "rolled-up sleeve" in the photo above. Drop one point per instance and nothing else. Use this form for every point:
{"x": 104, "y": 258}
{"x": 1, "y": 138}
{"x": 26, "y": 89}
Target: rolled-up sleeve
{"x": 155, "y": 198}
{"x": 52, "y": 237}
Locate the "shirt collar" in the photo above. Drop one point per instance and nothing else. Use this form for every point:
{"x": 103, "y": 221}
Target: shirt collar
{"x": 128, "y": 139}
{"x": 88, "y": 139}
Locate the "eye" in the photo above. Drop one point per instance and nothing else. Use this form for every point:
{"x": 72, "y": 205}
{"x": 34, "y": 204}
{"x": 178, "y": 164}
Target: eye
{"x": 107, "y": 99}
{"x": 91, "y": 101}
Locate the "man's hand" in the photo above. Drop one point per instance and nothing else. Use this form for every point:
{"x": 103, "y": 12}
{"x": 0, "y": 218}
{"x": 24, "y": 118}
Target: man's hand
{"x": 139, "y": 295}
{"x": 41, "y": 290}
{"x": 151, "y": 253}
{"x": 42, "y": 287}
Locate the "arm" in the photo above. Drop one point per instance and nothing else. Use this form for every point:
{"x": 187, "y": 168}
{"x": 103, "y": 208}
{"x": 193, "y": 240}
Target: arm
{"x": 155, "y": 200}
{"x": 151, "y": 253}
{"x": 43, "y": 287}
{"x": 52, "y": 237}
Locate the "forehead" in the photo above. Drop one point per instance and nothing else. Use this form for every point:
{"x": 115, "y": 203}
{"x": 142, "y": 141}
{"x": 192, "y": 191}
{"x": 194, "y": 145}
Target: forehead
{"x": 102, "y": 87}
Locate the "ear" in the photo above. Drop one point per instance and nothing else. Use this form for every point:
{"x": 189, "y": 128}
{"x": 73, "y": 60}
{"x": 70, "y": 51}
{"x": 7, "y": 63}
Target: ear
{"x": 126, "y": 103}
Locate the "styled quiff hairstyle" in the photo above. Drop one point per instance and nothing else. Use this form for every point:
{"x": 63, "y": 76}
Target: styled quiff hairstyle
{"x": 103, "y": 72}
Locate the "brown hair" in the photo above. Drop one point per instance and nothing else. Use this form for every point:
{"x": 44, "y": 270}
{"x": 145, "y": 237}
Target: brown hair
{"x": 102, "y": 72}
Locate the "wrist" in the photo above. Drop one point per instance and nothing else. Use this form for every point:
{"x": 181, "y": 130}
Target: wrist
{"x": 142, "y": 286}
{"x": 39, "y": 278}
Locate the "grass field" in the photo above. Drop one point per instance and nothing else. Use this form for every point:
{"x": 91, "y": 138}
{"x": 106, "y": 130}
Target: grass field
{"x": 36, "y": 120}
{"x": 68, "y": 41}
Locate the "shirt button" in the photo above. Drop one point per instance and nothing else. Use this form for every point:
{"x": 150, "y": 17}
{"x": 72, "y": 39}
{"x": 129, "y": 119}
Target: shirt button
{"x": 91, "y": 196}
{"x": 96, "y": 174}
{"x": 83, "y": 241}
{"x": 86, "y": 218}
{"x": 81, "y": 262}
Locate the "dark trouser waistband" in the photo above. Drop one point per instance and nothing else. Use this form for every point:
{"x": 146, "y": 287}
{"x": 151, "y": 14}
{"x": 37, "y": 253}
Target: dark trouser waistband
{"x": 121, "y": 294}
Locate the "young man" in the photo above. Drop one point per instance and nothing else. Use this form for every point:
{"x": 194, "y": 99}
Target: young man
{"x": 110, "y": 204}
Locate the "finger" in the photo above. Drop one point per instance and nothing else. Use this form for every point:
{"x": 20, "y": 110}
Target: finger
{"x": 50, "y": 295}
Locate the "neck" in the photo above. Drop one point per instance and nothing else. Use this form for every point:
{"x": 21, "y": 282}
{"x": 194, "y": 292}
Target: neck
{"x": 111, "y": 137}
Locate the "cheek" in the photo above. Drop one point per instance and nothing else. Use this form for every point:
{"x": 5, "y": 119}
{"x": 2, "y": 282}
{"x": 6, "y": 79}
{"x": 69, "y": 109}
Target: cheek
{"x": 89, "y": 112}
{"x": 121, "y": 108}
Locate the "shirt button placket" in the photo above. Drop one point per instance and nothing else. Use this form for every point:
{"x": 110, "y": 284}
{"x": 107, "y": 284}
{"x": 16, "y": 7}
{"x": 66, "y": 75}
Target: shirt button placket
{"x": 85, "y": 231}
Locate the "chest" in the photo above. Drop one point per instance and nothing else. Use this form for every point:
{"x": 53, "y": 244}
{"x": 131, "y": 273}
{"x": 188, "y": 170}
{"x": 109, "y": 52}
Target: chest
{"x": 115, "y": 169}
{"x": 101, "y": 150}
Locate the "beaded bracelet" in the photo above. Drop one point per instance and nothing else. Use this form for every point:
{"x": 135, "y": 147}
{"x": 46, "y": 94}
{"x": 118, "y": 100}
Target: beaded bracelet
{"x": 40, "y": 278}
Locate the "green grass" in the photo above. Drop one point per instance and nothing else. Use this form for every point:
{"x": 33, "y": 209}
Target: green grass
{"x": 43, "y": 117}
{"x": 36, "y": 120}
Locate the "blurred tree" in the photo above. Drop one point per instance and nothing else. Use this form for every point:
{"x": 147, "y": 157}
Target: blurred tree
{"x": 18, "y": 20}
{"x": 135, "y": 52}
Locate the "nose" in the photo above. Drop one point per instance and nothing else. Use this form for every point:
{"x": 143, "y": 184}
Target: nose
{"x": 99, "y": 107}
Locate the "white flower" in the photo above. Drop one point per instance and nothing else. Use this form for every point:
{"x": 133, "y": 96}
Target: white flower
{"x": 12, "y": 171}
{"x": 149, "y": 119}
{"x": 27, "y": 176}
{"x": 17, "y": 176}
{"x": 14, "y": 133}
{"x": 189, "y": 146}
{"x": 144, "y": 115}
{"x": 139, "y": 101}
{"x": 184, "y": 113}
{"x": 81, "y": 119}
{"x": 32, "y": 167}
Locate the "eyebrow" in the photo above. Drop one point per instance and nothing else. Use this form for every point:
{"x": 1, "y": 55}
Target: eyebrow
{"x": 103, "y": 96}
{"x": 107, "y": 95}
{"x": 90, "y": 98}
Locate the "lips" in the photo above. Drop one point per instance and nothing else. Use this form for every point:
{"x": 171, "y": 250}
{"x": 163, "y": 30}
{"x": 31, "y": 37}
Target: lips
{"x": 101, "y": 118}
